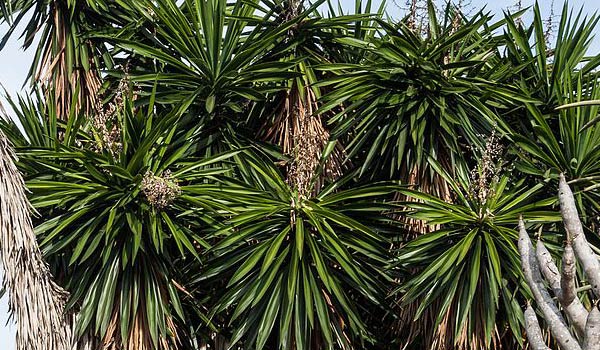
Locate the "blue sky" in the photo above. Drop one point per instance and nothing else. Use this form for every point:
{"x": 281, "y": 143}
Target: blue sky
{"x": 14, "y": 64}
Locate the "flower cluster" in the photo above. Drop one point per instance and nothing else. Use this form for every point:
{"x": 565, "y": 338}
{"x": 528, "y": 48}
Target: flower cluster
{"x": 485, "y": 174}
{"x": 106, "y": 124}
{"x": 160, "y": 191}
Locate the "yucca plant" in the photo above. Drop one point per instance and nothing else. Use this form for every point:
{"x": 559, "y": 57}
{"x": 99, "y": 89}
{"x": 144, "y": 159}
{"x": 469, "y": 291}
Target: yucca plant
{"x": 557, "y": 132}
{"x": 413, "y": 101}
{"x": 565, "y": 140}
{"x": 221, "y": 190}
{"x": 298, "y": 268}
{"x": 468, "y": 267}
{"x": 414, "y": 97}
{"x": 543, "y": 69}
{"x": 208, "y": 53}
{"x": 114, "y": 219}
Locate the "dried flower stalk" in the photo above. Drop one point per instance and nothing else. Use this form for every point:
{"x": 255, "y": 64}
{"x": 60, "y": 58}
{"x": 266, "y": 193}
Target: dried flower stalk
{"x": 486, "y": 173}
{"x": 106, "y": 123}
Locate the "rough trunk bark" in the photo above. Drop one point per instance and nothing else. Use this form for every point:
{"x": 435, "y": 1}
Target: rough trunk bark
{"x": 533, "y": 276}
{"x": 586, "y": 324}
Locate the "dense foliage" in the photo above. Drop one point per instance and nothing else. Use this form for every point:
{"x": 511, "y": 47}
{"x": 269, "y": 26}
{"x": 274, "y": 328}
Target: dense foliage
{"x": 274, "y": 174}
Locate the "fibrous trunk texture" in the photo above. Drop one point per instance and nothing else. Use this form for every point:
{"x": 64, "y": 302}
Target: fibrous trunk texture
{"x": 302, "y": 137}
{"x": 35, "y": 300}
{"x": 63, "y": 80}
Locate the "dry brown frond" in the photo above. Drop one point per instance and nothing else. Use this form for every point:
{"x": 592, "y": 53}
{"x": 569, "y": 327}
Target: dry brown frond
{"x": 302, "y": 136}
{"x": 85, "y": 342}
{"x": 442, "y": 337}
{"x": 55, "y": 72}
{"x": 138, "y": 338}
{"x": 35, "y": 300}
{"x": 422, "y": 181}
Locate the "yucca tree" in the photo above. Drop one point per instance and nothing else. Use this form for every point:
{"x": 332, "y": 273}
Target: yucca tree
{"x": 557, "y": 132}
{"x": 414, "y": 100}
{"x": 415, "y": 97}
{"x": 112, "y": 221}
{"x": 210, "y": 55}
{"x": 214, "y": 174}
{"x": 470, "y": 270}
{"x": 297, "y": 266}
{"x": 547, "y": 139}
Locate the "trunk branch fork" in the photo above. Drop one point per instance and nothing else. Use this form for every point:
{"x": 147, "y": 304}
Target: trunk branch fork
{"x": 539, "y": 268}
